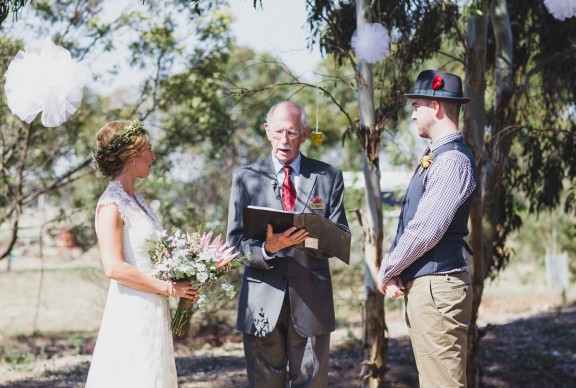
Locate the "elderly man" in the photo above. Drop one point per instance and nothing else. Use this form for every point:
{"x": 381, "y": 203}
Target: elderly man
{"x": 426, "y": 262}
{"x": 286, "y": 308}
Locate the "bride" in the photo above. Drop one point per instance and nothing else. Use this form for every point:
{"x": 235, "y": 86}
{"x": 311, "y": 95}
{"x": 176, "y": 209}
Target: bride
{"x": 134, "y": 347}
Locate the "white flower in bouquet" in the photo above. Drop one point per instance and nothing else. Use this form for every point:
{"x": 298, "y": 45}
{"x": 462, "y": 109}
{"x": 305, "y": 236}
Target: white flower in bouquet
{"x": 192, "y": 256}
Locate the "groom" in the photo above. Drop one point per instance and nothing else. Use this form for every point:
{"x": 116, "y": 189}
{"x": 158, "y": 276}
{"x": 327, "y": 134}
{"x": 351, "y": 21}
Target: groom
{"x": 286, "y": 309}
{"x": 426, "y": 262}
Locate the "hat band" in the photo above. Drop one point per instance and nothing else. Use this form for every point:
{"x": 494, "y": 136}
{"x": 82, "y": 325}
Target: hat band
{"x": 437, "y": 93}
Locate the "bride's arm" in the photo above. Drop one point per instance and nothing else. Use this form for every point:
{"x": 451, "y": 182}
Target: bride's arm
{"x": 109, "y": 230}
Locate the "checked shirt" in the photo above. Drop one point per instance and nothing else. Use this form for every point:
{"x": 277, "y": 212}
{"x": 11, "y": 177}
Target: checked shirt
{"x": 449, "y": 181}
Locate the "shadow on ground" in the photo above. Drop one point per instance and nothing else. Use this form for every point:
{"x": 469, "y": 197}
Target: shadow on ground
{"x": 539, "y": 351}
{"x": 532, "y": 352}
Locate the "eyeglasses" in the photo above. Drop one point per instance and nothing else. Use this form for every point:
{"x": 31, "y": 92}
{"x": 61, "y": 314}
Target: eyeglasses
{"x": 290, "y": 134}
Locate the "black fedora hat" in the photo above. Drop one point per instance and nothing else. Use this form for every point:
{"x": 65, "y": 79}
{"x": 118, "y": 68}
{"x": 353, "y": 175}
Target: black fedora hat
{"x": 438, "y": 85}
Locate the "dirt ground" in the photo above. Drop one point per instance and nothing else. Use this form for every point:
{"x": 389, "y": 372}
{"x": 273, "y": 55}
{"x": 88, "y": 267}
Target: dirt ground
{"x": 537, "y": 351}
{"x": 527, "y": 340}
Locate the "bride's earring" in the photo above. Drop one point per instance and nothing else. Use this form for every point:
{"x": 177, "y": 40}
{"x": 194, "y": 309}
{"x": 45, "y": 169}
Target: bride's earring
{"x": 133, "y": 162}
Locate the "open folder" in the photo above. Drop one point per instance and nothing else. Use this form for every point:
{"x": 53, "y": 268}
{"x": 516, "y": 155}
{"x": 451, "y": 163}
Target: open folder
{"x": 324, "y": 236}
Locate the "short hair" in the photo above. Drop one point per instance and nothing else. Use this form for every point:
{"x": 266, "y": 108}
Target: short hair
{"x": 451, "y": 108}
{"x": 110, "y": 159}
{"x": 303, "y": 115}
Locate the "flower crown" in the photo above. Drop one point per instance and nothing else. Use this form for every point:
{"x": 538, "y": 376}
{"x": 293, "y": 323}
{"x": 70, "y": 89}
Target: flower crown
{"x": 126, "y": 136}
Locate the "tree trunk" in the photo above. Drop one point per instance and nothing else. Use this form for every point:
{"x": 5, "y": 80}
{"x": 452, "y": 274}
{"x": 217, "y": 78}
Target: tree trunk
{"x": 375, "y": 341}
{"x": 486, "y": 207}
{"x": 473, "y": 132}
{"x": 16, "y": 191}
{"x": 503, "y": 122}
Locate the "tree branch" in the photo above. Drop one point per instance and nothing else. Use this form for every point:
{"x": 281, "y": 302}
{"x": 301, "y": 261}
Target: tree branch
{"x": 558, "y": 56}
{"x": 58, "y": 183}
{"x": 245, "y": 93}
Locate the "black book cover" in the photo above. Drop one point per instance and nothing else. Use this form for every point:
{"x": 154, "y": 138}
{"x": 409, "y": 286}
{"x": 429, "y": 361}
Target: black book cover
{"x": 324, "y": 236}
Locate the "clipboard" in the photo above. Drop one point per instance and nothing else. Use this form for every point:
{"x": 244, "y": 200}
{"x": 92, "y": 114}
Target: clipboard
{"x": 324, "y": 236}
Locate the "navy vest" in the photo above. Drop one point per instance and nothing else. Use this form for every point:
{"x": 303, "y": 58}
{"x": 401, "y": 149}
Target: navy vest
{"x": 447, "y": 255}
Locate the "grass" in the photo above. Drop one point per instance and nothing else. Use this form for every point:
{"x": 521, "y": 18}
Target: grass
{"x": 67, "y": 299}
{"x": 18, "y": 361}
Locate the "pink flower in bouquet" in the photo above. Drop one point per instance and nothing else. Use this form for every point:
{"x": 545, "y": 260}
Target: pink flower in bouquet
{"x": 205, "y": 240}
{"x": 218, "y": 248}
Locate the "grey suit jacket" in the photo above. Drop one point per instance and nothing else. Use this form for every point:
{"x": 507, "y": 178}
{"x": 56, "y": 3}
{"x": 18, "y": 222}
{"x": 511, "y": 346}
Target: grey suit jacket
{"x": 307, "y": 277}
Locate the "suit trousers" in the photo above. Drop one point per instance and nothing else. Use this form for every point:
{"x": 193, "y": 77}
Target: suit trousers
{"x": 438, "y": 313}
{"x": 267, "y": 357}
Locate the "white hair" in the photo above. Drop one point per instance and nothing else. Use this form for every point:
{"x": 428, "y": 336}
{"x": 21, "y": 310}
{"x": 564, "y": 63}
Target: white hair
{"x": 303, "y": 115}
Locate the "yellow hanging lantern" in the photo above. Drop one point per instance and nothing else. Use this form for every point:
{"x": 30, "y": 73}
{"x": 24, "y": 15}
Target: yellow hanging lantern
{"x": 317, "y": 137}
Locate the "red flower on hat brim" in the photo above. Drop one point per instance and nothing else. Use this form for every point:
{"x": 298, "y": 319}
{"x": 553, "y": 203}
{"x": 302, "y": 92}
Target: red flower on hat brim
{"x": 437, "y": 82}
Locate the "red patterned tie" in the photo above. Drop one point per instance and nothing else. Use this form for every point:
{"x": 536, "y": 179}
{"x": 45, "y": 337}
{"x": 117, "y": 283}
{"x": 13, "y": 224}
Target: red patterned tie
{"x": 288, "y": 190}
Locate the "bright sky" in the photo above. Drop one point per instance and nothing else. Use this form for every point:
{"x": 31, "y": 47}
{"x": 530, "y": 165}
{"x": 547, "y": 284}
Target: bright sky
{"x": 279, "y": 28}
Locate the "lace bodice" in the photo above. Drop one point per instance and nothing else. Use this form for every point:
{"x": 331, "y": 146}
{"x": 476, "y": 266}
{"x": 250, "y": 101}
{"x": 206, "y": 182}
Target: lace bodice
{"x": 140, "y": 224}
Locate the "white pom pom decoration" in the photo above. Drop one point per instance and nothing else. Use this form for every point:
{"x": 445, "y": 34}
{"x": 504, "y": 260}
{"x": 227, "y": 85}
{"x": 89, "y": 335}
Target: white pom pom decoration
{"x": 371, "y": 42}
{"x": 561, "y": 9}
{"x": 48, "y": 81}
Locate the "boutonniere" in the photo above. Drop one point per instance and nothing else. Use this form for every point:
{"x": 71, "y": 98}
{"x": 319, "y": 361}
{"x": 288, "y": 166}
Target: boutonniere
{"x": 317, "y": 204}
{"x": 425, "y": 162}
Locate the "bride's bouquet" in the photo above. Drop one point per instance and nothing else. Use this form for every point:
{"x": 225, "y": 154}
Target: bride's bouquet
{"x": 192, "y": 256}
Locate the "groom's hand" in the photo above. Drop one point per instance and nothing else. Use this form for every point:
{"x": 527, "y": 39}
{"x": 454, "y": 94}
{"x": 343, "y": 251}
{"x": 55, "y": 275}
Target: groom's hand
{"x": 393, "y": 288}
{"x": 277, "y": 241}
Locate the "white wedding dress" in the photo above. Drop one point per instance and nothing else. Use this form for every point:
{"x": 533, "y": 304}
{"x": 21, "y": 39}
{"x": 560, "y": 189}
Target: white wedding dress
{"x": 134, "y": 347}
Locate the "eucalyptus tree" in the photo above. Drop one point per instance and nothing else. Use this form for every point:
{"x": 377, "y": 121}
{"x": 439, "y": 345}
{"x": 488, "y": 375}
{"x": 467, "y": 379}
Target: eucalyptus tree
{"x": 417, "y": 32}
{"x": 35, "y": 160}
{"x": 10, "y": 6}
{"x": 520, "y": 76}
{"x": 161, "y": 38}
{"x": 521, "y": 124}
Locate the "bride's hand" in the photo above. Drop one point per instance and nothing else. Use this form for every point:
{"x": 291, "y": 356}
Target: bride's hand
{"x": 185, "y": 289}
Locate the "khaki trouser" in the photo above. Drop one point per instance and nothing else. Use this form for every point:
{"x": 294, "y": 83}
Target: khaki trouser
{"x": 438, "y": 312}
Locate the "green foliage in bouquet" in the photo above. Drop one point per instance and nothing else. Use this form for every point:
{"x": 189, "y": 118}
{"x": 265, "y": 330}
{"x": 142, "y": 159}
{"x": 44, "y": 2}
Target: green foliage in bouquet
{"x": 193, "y": 256}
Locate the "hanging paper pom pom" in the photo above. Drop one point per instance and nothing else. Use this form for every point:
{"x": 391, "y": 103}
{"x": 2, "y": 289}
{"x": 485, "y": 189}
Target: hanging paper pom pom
{"x": 561, "y": 9}
{"x": 371, "y": 42}
{"x": 48, "y": 81}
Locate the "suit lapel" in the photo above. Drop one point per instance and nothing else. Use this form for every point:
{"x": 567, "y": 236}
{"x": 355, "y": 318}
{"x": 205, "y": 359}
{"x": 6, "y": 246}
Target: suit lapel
{"x": 269, "y": 176}
{"x": 306, "y": 183}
